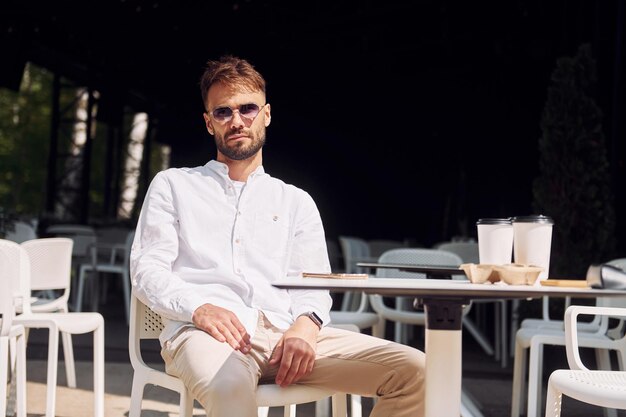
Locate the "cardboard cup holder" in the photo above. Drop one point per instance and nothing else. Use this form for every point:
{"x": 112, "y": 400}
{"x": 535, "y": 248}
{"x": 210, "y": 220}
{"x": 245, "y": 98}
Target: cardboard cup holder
{"x": 512, "y": 274}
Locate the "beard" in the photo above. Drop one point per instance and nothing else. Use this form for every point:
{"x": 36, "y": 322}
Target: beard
{"x": 241, "y": 151}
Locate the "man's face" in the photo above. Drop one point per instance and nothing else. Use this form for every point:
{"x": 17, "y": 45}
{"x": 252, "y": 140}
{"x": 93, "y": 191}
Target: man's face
{"x": 230, "y": 118}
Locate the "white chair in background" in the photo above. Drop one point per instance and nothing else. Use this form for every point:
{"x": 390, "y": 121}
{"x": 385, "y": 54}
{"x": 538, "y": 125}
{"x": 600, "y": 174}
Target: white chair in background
{"x": 146, "y": 324}
{"x": 529, "y": 343}
{"x": 115, "y": 261}
{"x": 49, "y": 274}
{"x": 10, "y": 332}
{"x": 83, "y": 251}
{"x": 18, "y": 270}
{"x": 598, "y": 387}
{"x": 22, "y": 231}
{"x": 403, "y": 312}
{"x": 379, "y": 246}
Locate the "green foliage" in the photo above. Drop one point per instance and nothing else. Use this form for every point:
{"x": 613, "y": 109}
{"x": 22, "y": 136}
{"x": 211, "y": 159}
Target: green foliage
{"x": 573, "y": 186}
{"x": 24, "y": 142}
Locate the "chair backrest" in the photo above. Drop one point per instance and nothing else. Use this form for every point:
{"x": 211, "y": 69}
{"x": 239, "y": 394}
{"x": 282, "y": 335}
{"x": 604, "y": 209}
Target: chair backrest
{"x": 334, "y": 256}
{"x": 16, "y": 269}
{"x": 50, "y": 263}
{"x": 144, "y": 324}
{"x": 467, "y": 251}
{"x": 7, "y": 309}
{"x": 128, "y": 245}
{"x": 615, "y": 301}
{"x": 354, "y": 249}
{"x": 379, "y": 246}
{"x": 84, "y": 237}
{"x": 22, "y": 231}
{"x": 415, "y": 256}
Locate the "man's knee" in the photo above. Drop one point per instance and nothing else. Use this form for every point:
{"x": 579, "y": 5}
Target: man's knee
{"x": 224, "y": 390}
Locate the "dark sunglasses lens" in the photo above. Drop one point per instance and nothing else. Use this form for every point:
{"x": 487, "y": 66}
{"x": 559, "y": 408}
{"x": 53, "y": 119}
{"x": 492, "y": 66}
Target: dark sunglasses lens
{"x": 249, "y": 110}
{"x": 222, "y": 113}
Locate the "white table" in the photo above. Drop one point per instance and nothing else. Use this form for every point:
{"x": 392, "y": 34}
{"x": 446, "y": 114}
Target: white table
{"x": 443, "y": 300}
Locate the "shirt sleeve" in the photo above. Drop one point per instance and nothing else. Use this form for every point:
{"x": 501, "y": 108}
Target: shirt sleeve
{"x": 309, "y": 254}
{"x": 153, "y": 253}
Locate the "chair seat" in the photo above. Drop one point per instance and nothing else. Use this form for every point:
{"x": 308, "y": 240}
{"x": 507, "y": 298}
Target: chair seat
{"x": 601, "y": 388}
{"x": 533, "y": 323}
{"x": 554, "y": 336}
{"x": 74, "y": 323}
{"x": 362, "y": 320}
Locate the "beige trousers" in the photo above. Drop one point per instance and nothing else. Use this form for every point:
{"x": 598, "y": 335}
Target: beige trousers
{"x": 224, "y": 381}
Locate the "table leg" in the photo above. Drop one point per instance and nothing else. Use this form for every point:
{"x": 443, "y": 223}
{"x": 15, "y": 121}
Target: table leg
{"x": 443, "y": 357}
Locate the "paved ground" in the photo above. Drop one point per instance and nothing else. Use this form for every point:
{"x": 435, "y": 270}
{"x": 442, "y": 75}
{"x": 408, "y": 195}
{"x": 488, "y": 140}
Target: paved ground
{"x": 484, "y": 379}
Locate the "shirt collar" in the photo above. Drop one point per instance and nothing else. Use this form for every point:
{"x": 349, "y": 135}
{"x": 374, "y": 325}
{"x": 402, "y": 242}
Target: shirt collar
{"x": 221, "y": 169}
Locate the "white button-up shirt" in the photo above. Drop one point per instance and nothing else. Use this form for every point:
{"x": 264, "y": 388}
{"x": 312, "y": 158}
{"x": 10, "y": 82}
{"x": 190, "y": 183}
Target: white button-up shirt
{"x": 198, "y": 241}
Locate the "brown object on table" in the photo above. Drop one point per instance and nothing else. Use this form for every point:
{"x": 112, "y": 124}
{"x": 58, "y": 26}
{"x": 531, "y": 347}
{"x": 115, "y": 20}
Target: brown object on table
{"x": 577, "y": 283}
{"x": 333, "y": 276}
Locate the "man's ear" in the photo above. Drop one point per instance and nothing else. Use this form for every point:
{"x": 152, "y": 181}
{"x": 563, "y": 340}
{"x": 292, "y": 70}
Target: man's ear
{"x": 268, "y": 114}
{"x": 208, "y": 124}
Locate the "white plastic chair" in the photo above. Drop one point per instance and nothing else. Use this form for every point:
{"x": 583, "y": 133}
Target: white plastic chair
{"x": 116, "y": 261}
{"x": 529, "y": 343}
{"x": 85, "y": 240}
{"x": 18, "y": 269}
{"x": 10, "y": 332}
{"x": 49, "y": 274}
{"x": 403, "y": 312}
{"x": 22, "y": 231}
{"x": 146, "y": 324}
{"x": 598, "y": 387}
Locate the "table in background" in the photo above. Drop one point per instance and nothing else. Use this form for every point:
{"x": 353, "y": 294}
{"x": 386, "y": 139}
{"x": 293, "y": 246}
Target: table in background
{"x": 443, "y": 300}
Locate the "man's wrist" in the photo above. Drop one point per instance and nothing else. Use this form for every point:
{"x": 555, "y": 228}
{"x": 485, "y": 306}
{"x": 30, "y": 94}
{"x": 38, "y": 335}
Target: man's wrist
{"x": 311, "y": 315}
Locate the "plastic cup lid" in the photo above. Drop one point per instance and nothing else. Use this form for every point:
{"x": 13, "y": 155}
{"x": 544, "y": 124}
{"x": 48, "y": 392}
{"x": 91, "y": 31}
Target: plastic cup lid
{"x": 504, "y": 220}
{"x": 533, "y": 219}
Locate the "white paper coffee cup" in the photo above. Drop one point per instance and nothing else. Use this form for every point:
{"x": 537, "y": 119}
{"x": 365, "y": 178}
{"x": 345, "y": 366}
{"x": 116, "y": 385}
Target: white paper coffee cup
{"x": 532, "y": 242}
{"x": 495, "y": 240}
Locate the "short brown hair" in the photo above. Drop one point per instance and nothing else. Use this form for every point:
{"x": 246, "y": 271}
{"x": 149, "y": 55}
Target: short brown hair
{"x": 232, "y": 71}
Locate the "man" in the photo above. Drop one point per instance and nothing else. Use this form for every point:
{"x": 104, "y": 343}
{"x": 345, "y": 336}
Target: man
{"x": 209, "y": 243}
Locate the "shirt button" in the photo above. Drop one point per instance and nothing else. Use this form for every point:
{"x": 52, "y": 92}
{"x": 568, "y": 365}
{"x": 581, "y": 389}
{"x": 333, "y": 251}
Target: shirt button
{"x": 237, "y": 241}
{"x": 238, "y": 270}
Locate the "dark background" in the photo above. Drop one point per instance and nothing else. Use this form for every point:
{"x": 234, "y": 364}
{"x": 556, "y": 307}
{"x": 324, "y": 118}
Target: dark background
{"x": 403, "y": 119}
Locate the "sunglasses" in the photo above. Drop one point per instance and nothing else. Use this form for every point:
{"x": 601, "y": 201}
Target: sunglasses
{"x": 247, "y": 111}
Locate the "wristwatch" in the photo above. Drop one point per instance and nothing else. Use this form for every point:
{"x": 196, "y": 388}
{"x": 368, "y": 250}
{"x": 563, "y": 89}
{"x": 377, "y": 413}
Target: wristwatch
{"x": 314, "y": 318}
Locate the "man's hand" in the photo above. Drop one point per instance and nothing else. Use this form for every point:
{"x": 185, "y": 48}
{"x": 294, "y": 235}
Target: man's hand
{"x": 223, "y": 325}
{"x": 296, "y": 352}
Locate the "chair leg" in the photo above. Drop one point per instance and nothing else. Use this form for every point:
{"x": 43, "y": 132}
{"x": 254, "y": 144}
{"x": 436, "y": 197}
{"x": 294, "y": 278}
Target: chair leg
{"x": 469, "y": 325}
{"x": 20, "y": 376}
{"x": 289, "y": 410}
{"x": 98, "y": 371}
{"x": 322, "y": 407}
{"x": 535, "y": 374}
{"x": 356, "y": 408}
{"x": 78, "y": 302}
{"x": 126, "y": 287}
{"x": 4, "y": 373}
{"x": 51, "y": 383}
{"x": 553, "y": 401}
{"x": 68, "y": 356}
{"x": 519, "y": 368}
{"x": 503, "y": 332}
{"x": 136, "y": 396}
{"x": 340, "y": 407}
